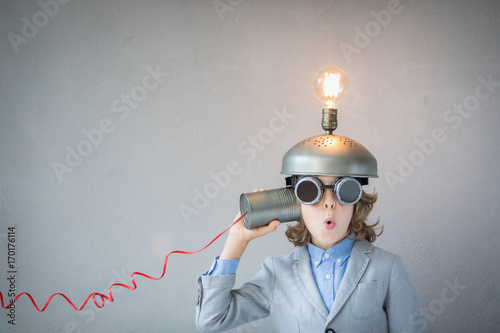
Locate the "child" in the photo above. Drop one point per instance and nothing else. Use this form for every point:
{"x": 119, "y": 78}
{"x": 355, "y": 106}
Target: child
{"x": 335, "y": 281}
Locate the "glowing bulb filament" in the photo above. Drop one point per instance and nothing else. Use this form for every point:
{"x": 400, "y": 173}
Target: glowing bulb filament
{"x": 331, "y": 87}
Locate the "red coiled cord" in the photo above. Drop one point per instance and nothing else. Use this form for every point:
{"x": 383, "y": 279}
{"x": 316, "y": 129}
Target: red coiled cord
{"x": 98, "y": 296}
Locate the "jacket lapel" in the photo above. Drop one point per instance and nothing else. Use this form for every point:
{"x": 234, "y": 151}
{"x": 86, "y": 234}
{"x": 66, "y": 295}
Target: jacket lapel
{"x": 305, "y": 280}
{"x": 355, "y": 270}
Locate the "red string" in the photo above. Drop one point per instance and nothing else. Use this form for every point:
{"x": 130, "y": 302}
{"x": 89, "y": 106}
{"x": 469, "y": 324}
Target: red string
{"x": 101, "y": 297}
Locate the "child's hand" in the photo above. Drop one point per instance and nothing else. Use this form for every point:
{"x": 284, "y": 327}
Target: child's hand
{"x": 246, "y": 235}
{"x": 240, "y": 236}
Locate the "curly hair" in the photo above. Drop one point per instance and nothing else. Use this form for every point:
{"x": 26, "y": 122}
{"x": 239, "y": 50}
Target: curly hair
{"x": 299, "y": 235}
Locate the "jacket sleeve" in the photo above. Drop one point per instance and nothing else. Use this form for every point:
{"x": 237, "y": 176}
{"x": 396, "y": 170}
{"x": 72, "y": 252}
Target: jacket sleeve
{"x": 401, "y": 306}
{"x": 220, "y": 307}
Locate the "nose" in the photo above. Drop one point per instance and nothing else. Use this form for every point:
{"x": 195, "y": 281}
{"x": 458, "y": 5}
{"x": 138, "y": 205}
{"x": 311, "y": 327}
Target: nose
{"x": 328, "y": 199}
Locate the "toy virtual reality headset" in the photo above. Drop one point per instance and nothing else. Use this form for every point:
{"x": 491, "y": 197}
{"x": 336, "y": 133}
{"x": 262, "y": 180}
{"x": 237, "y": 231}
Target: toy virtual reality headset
{"x": 322, "y": 155}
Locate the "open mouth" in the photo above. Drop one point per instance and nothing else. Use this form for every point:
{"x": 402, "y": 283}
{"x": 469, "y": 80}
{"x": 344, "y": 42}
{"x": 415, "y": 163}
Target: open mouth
{"x": 329, "y": 223}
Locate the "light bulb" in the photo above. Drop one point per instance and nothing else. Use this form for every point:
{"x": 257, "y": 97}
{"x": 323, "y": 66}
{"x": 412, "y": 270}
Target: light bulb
{"x": 330, "y": 85}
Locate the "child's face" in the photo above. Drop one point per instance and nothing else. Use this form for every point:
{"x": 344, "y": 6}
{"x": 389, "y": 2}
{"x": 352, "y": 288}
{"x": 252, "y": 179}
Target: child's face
{"x": 327, "y": 220}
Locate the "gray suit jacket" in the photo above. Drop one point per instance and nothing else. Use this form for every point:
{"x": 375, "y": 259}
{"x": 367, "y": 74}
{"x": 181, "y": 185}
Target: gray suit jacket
{"x": 375, "y": 295}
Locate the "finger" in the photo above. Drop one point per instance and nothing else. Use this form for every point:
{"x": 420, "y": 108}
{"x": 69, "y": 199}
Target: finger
{"x": 264, "y": 230}
{"x": 274, "y": 225}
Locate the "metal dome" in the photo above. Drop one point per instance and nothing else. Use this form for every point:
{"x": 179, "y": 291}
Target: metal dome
{"x": 329, "y": 155}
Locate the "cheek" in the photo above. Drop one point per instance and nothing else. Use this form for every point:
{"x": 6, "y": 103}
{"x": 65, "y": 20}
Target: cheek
{"x": 309, "y": 214}
{"x": 305, "y": 211}
{"x": 311, "y": 209}
{"x": 347, "y": 212}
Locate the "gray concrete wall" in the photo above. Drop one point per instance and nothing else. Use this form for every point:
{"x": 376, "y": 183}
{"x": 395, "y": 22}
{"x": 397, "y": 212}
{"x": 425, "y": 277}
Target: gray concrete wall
{"x": 117, "y": 117}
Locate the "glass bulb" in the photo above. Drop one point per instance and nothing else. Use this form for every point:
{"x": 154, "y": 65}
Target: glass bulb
{"x": 330, "y": 85}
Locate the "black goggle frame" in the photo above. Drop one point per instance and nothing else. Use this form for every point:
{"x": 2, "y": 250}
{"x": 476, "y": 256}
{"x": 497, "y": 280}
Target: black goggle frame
{"x": 347, "y": 190}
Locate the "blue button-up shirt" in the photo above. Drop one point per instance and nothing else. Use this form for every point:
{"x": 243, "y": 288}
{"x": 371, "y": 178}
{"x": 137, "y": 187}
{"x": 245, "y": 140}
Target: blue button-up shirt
{"x": 328, "y": 267}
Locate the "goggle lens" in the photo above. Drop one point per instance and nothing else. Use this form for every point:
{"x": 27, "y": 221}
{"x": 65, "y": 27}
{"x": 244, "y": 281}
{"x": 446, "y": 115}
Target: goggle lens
{"x": 309, "y": 191}
{"x": 348, "y": 190}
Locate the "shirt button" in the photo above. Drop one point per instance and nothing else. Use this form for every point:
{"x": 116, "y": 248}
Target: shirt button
{"x": 316, "y": 262}
{"x": 339, "y": 260}
{"x": 327, "y": 255}
{"x": 328, "y": 276}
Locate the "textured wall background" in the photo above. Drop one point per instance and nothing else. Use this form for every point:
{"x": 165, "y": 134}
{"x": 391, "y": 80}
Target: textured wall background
{"x": 116, "y": 118}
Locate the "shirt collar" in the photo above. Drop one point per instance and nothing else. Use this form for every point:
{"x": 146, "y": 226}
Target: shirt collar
{"x": 340, "y": 251}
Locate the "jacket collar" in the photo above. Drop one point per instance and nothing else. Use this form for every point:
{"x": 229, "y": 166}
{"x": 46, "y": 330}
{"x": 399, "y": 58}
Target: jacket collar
{"x": 355, "y": 270}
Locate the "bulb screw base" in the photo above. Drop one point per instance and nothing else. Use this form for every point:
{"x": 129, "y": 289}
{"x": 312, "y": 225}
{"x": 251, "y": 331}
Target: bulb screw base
{"x": 329, "y": 121}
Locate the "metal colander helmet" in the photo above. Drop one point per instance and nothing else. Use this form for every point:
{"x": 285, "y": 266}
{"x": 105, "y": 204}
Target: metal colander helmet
{"x": 329, "y": 155}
